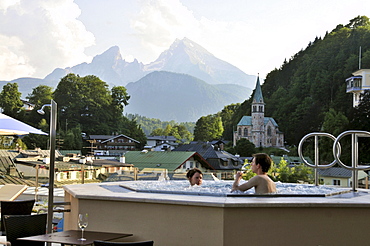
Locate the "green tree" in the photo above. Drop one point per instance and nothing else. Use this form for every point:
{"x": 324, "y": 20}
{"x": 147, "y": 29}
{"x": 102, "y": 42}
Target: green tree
{"x": 120, "y": 97}
{"x": 38, "y": 141}
{"x": 40, "y": 96}
{"x": 208, "y": 128}
{"x": 10, "y": 100}
{"x": 358, "y": 22}
{"x": 334, "y": 123}
{"x": 226, "y": 115}
{"x": 85, "y": 102}
{"x": 180, "y": 132}
{"x": 134, "y": 130}
{"x": 360, "y": 121}
{"x": 72, "y": 139}
{"x": 184, "y": 135}
{"x": 244, "y": 147}
{"x": 283, "y": 173}
{"x": 157, "y": 132}
{"x": 18, "y": 143}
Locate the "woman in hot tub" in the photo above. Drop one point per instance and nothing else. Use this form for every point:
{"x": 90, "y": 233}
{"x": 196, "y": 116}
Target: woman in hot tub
{"x": 195, "y": 176}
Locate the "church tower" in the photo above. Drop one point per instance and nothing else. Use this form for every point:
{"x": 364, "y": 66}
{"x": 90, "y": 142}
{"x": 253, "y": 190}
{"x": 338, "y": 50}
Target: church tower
{"x": 260, "y": 130}
{"x": 258, "y": 116}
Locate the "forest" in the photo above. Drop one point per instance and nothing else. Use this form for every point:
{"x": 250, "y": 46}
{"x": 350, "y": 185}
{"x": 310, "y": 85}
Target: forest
{"x": 308, "y": 92}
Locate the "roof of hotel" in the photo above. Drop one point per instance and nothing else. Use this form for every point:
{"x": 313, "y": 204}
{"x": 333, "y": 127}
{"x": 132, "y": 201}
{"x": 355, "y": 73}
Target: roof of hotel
{"x": 338, "y": 172}
{"x": 20, "y": 154}
{"x": 170, "y": 160}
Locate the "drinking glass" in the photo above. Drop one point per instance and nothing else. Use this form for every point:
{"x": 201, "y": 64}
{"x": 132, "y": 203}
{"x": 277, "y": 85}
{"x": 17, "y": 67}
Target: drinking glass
{"x": 82, "y": 223}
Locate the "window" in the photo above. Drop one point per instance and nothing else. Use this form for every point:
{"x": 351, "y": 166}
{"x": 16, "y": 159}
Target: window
{"x": 269, "y": 131}
{"x": 336, "y": 181}
{"x": 191, "y": 164}
{"x": 245, "y": 132}
{"x": 239, "y": 131}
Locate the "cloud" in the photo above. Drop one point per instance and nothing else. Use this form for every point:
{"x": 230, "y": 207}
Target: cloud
{"x": 38, "y": 36}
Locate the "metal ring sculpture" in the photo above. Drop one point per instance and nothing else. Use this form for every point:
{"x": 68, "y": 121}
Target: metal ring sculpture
{"x": 355, "y": 134}
{"x": 336, "y": 153}
{"x": 317, "y": 165}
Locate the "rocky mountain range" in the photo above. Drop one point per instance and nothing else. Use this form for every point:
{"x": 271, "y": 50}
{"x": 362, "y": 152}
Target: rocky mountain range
{"x": 183, "y": 84}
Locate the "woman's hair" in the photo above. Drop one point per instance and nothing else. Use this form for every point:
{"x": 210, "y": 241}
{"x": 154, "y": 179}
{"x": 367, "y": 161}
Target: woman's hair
{"x": 264, "y": 160}
{"x": 191, "y": 172}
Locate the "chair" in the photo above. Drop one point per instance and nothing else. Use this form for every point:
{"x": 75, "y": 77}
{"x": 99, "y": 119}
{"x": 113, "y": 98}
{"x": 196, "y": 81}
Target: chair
{"x": 17, "y": 226}
{"x": 21, "y": 207}
{"x": 105, "y": 243}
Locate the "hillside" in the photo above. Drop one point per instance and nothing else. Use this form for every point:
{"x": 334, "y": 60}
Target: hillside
{"x": 299, "y": 94}
{"x": 180, "y": 97}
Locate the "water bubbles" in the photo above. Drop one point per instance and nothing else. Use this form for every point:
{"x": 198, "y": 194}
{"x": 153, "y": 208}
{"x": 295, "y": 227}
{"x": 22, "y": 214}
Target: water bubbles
{"x": 222, "y": 188}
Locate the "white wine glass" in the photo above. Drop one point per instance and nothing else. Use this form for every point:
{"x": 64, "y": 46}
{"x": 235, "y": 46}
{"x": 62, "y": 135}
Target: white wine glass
{"x": 82, "y": 223}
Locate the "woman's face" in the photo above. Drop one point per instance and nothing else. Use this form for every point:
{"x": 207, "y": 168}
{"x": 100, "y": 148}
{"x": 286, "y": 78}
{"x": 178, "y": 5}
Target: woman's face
{"x": 196, "y": 179}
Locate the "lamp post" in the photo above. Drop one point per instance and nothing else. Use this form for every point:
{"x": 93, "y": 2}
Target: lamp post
{"x": 53, "y": 127}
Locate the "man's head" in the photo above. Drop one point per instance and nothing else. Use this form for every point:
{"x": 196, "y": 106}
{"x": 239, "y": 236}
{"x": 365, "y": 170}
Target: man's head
{"x": 263, "y": 160}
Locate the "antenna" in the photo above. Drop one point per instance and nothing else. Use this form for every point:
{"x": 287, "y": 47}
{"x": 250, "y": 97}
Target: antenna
{"x": 359, "y": 60}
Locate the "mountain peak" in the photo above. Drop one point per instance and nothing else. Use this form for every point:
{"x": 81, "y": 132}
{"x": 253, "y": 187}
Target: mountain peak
{"x": 188, "y": 57}
{"x": 112, "y": 55}
{"x": 189, "y": 46}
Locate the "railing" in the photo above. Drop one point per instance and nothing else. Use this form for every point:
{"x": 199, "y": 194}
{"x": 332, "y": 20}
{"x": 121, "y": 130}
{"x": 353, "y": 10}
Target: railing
{"x": 355, "y": 134}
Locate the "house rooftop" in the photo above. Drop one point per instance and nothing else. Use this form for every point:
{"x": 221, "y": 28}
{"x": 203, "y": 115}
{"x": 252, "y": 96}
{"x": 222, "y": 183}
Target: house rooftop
{"x": 163, "y": 159}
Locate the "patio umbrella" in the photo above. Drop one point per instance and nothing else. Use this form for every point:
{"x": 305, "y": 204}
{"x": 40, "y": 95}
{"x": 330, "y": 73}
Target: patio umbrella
{"x": 10, "y": 126}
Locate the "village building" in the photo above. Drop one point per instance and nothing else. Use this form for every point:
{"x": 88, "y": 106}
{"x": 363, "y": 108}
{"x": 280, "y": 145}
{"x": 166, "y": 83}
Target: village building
{"x": 357, "y": 84}
{"x": 339, "y": 176}
{"x": 161, "y": 143}
{"x": 114, "y": 145}
{"x": 260, "y": 130}
{"x": 164, "y": 165}
{"x": 222, "y": 161}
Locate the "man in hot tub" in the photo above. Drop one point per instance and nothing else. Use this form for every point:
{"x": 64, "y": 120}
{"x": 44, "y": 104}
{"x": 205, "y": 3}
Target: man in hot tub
{"x": 262, "y": 184}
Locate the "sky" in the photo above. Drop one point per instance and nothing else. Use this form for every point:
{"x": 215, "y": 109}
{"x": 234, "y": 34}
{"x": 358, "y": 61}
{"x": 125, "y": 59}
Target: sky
{"x": 256, "y": 36}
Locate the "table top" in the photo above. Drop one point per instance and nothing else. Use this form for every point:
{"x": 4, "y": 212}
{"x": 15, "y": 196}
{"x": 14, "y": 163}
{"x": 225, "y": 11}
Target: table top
{"x": 73, "y": 236}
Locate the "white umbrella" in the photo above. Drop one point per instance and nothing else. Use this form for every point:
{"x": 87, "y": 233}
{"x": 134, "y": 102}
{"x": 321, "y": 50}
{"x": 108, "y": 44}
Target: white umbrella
{"x": 11, "y": 126}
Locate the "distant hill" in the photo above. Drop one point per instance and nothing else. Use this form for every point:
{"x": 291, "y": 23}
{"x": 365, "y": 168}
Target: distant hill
{"x": 180, "y": 97}
{"x": 25, "y": 85}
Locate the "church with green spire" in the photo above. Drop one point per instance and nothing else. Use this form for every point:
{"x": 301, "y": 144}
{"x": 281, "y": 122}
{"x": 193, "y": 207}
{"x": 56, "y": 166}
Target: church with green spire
{"x": 260, "y": 130}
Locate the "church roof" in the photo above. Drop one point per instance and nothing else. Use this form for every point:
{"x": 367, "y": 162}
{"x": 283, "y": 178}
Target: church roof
{"x": 247, "y": 121}
{"x": 257, "y": 97}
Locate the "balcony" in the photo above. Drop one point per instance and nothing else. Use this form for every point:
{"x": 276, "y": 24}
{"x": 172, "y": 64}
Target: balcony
{"x": 354, "y": 84}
